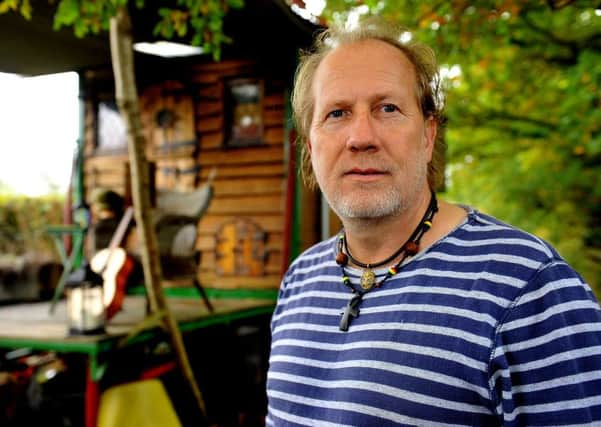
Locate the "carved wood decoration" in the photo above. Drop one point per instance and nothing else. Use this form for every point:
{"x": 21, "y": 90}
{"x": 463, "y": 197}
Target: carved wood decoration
{"x": 240, "y": 249}
{"x": 168, "y": 117}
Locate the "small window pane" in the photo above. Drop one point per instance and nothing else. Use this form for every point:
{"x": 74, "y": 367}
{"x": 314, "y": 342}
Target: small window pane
{"x": 112, "y": 134}
{"x": 244, "y": 112}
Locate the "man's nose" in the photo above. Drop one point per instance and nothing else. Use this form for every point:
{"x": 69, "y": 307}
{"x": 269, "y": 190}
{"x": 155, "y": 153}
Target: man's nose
{"x": 362, "y": 133}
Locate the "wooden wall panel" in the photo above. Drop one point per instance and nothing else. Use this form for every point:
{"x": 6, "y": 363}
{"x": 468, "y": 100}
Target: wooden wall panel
{"x": 257, "y": 204}
{"x": 256, "y": 170}
{"x": 210, "y": 279}
{"x": 250, "y": 186}
{"x": 270, "y": 223}
{"x": 208, "y": 241}
{"x": 111, "y": 172}
{"x": 213, "y": 123}
{"x": 273, "y": 263}
{"x": 211, "y": 140}
{"x": 204, "y": 108}
{"x": 250, "y": 182}
{"x": 273, "y": 117}
{"x": 89, "y": 127}
{"x": 241, "y": 156}
{"x": 274, "y": 100}
{"x": 209, "y": 93}
{"x": 274, "y": 135}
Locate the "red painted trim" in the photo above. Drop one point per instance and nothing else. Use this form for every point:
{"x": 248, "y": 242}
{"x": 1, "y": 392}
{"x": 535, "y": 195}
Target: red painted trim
{"x": 159, "y": 370}
{"x": 92, "y": 399}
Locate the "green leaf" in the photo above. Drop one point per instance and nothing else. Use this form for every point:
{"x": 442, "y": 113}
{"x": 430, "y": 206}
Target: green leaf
{"x": 217, "y": 54}
{"x": 80, "y": 28}
{"x": 7, "y": 5}
{"x": 67, "y": 12}
{"x": 182, "y": 29}
{"x": 196, "y": 39}
{"x": 167, "y": 30}
{"x": 26, "y": 9}
{"x": 235, "y": 4}
{"x": 215, "y": 24}
{"x": 164, "y": 12}
{"x": 198, "y": 23}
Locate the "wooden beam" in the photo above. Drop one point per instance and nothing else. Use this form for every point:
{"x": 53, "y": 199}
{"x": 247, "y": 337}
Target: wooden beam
{"x": 210, "y": 224}
{"x": 248, "y": 186}
{"x": 247, "y": 205}
{"x": 248, "y": 171}
{"x": 242, "y": 156}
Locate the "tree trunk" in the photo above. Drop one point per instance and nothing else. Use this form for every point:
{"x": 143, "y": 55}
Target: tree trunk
{"x": 127, "y": 100}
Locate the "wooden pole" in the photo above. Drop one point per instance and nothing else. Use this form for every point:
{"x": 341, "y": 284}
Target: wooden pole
{"x": 127, "y": 100}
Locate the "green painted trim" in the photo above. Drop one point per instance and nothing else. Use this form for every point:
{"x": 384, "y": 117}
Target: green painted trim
{"x": 295, "y": 232}
{"x": 243, "y": 293}
{"x": 91, "y": 348}
{"x": 296, "y": 244}
{"x": 94, "y": 349}
{"x": 96, "y": 370}
{"x": 193, "y": 325}
{"x": 136, "y": 290}
{"x": 60, "y": 230}
{"x": 226, "y": 318}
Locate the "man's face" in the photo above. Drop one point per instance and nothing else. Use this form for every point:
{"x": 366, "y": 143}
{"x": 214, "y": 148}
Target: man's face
{"x": 370, "y": 144}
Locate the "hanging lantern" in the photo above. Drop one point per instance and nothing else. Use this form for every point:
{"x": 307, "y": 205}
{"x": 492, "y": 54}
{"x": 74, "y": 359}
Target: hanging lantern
{"x": 85, "y": 304}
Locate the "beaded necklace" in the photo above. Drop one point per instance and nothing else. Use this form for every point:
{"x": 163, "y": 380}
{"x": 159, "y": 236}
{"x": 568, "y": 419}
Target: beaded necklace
{"x": 368, "y": 277}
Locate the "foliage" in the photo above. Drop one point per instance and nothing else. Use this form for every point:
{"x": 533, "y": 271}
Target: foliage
{"x": 203, "y": 19}
{"x": 524, "y": 112}
{"x": 23, "y": 222}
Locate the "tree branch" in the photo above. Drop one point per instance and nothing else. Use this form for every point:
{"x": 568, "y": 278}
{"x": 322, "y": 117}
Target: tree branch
{"x": 508, "y": 117}
{"x": 593, "y": 42}
{"x": 127, "y": 99}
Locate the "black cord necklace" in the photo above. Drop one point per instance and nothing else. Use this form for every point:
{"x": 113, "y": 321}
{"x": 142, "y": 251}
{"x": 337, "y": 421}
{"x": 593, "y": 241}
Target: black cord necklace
{"x": 368, "y": 277}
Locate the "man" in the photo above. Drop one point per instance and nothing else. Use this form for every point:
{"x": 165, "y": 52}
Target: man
{"x": 419, "y": 312}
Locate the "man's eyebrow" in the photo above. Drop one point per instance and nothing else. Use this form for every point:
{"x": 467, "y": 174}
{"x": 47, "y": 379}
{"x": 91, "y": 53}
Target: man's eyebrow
{"x": 335, "y": 103}
{"x": 381, "y": 97}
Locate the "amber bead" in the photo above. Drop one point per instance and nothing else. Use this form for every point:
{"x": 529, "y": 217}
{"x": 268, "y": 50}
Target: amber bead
{"x": 411, "y": 248}
{"x": 341, "y": 259}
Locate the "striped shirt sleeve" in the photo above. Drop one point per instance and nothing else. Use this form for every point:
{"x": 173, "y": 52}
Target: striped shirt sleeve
{"x": 545, "y": 366}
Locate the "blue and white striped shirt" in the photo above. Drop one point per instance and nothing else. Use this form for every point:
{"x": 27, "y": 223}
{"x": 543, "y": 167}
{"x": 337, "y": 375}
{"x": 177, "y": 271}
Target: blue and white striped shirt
{"x": 488, "y": 326}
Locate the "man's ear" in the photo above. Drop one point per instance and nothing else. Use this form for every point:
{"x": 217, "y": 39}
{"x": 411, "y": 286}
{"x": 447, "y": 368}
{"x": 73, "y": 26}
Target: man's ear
{"x": 430, "y": 132}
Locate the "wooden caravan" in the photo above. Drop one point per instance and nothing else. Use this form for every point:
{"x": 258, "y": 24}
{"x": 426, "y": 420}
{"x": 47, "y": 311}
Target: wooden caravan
{"x": 229, "y": 116}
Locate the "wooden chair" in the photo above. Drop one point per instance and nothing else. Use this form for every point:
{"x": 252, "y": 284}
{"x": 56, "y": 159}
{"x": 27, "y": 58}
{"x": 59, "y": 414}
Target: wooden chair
{"x": 176, "y": 220}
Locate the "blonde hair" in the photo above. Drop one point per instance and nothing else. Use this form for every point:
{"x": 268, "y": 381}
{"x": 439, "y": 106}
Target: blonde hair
{"x": 428, "y": 90}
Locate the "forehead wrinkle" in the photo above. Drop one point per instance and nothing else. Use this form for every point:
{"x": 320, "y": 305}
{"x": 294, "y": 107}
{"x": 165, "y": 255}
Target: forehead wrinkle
{"x": 334, "y": 68}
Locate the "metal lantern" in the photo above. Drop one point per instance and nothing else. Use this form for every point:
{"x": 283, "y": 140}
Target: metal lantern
{"x": 85, "y": 303}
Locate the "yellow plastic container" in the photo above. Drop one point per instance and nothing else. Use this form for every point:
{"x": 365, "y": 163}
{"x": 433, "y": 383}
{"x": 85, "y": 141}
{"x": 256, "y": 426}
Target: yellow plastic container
{"x": 141, "y": 403}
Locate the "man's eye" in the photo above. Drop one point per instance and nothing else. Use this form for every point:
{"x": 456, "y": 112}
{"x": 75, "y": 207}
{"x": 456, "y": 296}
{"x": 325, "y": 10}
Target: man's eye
{"x": 336, "y": 114}
{"x": 389, "y": 108}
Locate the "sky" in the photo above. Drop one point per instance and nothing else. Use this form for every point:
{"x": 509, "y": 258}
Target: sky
{"x": 39, "y": 126}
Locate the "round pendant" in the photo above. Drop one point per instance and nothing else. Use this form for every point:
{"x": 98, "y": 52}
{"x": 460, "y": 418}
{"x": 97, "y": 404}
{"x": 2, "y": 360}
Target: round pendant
{"x": 368, "y": 279}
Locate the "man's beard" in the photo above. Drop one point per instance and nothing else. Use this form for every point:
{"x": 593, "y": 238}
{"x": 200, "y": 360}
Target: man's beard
{"x": 374, "y": 201}
{"x": 367, "y": 204}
